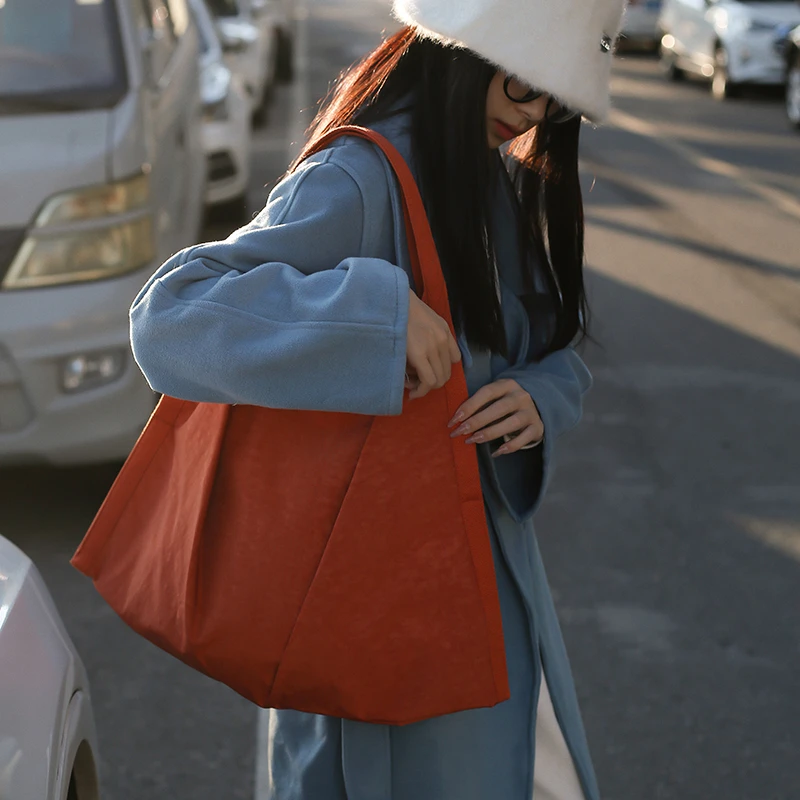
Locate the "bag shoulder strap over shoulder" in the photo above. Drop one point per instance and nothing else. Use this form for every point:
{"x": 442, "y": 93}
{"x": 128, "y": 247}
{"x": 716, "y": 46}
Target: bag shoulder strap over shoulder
{"x": 421, "y": 246}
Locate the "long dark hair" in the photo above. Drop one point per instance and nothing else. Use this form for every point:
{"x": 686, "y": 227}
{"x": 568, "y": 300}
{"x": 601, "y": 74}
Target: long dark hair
{"x": 456, "y": 170}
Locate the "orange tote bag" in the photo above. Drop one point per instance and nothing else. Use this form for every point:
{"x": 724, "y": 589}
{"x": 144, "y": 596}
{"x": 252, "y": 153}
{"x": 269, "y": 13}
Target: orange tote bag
{"x": 325, "y": 562}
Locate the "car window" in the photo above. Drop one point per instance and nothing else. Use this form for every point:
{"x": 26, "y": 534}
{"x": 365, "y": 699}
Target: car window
{"x": 65, "y": 53}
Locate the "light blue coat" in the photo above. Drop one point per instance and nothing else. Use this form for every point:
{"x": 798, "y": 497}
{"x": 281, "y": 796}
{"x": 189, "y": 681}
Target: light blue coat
{"x": 306, "y": 307}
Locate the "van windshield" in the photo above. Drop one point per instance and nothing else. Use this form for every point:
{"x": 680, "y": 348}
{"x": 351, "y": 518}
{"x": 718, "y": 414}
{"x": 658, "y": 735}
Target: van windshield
{"x": 59, "y": 55}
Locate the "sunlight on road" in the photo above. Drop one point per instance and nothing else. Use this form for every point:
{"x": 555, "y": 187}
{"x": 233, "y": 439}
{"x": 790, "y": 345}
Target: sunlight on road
{"x": 780, "y": 534}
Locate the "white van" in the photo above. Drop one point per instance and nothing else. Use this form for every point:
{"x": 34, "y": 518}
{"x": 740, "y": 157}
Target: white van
{"x": 730, "y": 42}
{"x": 102, "y": 177}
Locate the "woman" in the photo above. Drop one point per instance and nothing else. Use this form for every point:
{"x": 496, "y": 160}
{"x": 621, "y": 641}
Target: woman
{"x": 311, "y": 306}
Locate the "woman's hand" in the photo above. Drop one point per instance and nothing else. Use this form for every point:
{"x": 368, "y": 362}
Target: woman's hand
{"x": 431, "y": 349}
{"x": 509, "y": 410}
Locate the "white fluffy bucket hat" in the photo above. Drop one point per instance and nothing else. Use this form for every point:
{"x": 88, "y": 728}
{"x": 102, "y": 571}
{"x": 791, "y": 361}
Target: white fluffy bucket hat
{"x": 563, "y": 47}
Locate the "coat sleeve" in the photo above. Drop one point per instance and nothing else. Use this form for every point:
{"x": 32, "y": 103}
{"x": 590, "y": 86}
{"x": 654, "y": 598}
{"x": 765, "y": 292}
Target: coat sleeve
{"x": 557, "y": 385}
{"x": 288, "y": 312}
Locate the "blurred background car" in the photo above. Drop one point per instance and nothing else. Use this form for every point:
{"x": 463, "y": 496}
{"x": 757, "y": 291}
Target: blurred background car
{"x": 226, "y": 122}
{"x": 640, "y": 25}
{"x": 284, "y": 14}
{"x": 102, "y": 177}
{"x": 48, "y": 744}
{"x": 787, "y": 45}
{"x": 730, "y": 42}
{"x": 249, "y": 42}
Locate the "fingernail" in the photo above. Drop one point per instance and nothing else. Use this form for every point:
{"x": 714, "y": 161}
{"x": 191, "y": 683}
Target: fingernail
{"x": 457, "y": 418}
{"x": 478, "y": 437}
{"x": 460, "y": 431}
{"x": 500, "y": 452}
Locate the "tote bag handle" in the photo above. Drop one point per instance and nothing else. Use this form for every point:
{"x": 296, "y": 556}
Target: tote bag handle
{"x": 425, "y": 263}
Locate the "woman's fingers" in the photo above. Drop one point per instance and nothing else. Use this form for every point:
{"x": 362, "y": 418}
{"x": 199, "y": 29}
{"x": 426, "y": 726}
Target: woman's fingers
{"x": 522, "y": 440}
{"x": 431, "y": 348}
{"x": 485, "y": 395}
{"x": 426, "y": 378}
{"x": 496, "y": 411}
{"x": 499, "y": 408}
{"x": 521, "y": 425}
{"x": 440, "y": 352}
{"x": 455, "y": 352}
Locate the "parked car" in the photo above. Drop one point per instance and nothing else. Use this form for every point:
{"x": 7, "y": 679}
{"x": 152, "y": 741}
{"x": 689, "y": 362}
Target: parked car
{"x": 249, "y": 48}
{"x": 277, "y": 16}
{"x": 102, "y": 177}
{"x": 640, "y": 24}
{"x": 48, "y": 744}
{"x": 730, "y": 42}
{"x": 226, "y": 121}
{"x": 788, "y": 47}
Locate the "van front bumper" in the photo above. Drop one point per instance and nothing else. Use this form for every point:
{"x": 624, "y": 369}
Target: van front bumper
{"x": 41, "y": 331}
{"x": 753, "y": 59}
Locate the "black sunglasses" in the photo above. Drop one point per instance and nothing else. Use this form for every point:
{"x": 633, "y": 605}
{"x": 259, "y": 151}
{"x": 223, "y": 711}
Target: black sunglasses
{"x": 519, "y": 92}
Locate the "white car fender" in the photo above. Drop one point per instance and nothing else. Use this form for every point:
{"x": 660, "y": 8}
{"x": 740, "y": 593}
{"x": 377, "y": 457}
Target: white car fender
{"x": 76, "y": 753}
{"x": 43, "y": 687}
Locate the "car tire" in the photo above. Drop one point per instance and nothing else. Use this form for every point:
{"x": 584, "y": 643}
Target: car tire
{"x": 793, "y": 90}
{"x": 722, "y": 87}
{"x": 261, "y": 111}
{"x": 284, "y": 58}
{"x": 669, "y": 64}
{"x": 233, "y": 211}
{"x": 260, "y": 115}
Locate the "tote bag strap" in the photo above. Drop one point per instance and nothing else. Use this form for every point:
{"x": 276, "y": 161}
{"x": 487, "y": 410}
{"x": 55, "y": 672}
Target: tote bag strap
{"x": 421, "y": 247}
{"x": 428, "y": 275}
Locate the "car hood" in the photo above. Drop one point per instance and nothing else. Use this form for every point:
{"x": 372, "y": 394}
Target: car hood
{"x": 778, "y": 13}
{"x": 43, "y": 154}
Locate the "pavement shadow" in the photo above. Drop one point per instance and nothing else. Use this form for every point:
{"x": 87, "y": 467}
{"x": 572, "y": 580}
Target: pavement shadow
{"x": 672, "y": 539}
{"x": 733, "y": 257}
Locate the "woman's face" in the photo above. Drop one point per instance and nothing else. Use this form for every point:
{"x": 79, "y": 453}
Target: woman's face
{"x": 506, "y": 119}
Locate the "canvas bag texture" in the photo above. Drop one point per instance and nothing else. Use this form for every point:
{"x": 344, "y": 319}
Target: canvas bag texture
{"x": 326, "y": 562}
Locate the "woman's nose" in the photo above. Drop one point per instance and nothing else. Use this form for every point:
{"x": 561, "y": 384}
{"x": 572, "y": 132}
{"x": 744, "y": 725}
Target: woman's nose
{"x": 536, "y": 109}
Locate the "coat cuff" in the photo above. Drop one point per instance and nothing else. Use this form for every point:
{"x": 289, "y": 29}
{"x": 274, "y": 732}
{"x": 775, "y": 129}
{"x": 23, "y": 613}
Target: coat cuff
{"x": 556, "y": 386}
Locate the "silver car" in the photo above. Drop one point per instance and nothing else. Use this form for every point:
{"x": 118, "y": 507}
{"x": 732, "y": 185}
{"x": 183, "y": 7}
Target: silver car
{"x": 102, "y": 177}
{"x": 250, "y": 48}
{"x": 48, "y": 745}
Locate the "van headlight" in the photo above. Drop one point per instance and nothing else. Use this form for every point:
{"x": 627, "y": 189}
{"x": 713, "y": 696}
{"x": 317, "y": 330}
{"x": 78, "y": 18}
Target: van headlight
{"x": 85, "y": 235}
{"x": 215, "y": 86}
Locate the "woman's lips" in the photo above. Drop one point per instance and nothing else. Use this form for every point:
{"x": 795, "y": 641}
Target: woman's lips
{"x": 504, "y": 131}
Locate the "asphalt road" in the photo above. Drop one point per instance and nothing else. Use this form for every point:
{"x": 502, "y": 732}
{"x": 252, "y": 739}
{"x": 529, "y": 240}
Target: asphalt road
{"x": 672, "y": 529}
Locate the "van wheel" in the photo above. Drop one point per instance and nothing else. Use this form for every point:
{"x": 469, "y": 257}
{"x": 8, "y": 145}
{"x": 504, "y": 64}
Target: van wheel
{"x": 284, "y": 58}
{"x": 233, "y": 211}
{"x": 722, "y": 88}
{"x": 793, "y": 91}
{"x": 260, "y": 115}
{"x": 669, "y": 64}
